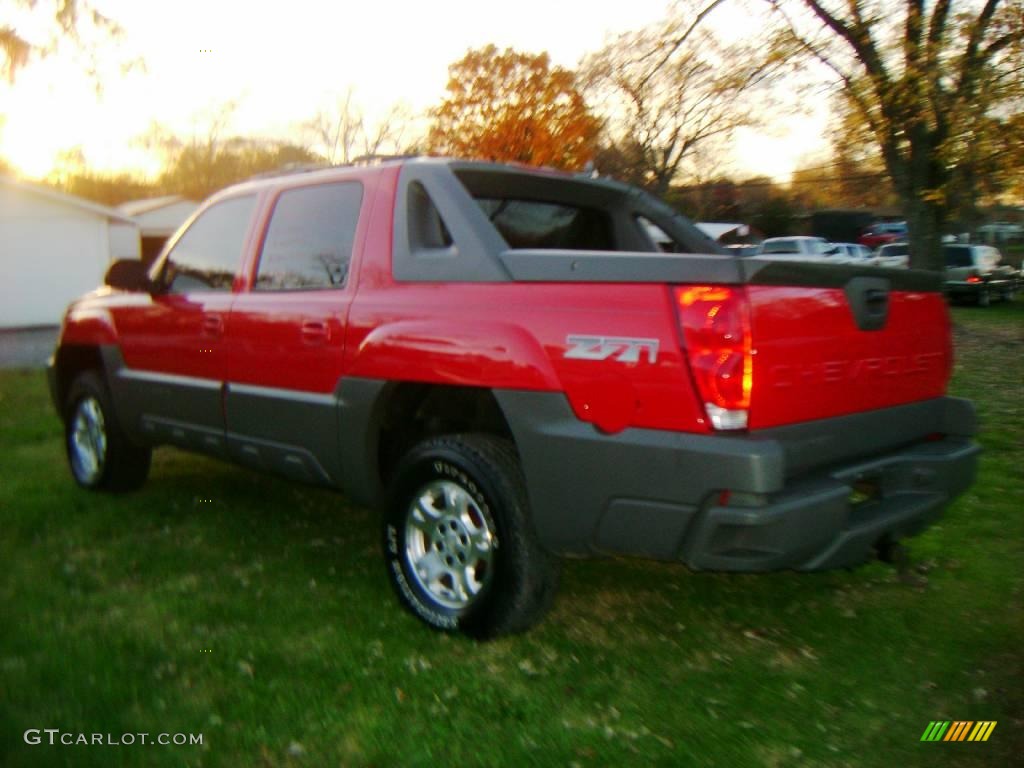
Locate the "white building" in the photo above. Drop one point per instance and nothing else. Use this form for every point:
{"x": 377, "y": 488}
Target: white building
{"x": 158, "y": 218}
{"x": 54, "y": 247}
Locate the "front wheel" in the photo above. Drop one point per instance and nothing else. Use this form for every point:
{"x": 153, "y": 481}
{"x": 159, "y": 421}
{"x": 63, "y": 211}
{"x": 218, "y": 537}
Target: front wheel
{"x": 459, "y": 542}
{"x": 100, "y": 455}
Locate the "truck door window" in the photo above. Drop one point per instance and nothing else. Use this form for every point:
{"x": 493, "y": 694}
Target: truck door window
{"x": 207, "y": 256}
{"x": 309, "y": 241}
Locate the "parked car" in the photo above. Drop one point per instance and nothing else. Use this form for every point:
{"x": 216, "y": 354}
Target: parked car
{"x": 893, "y": 255}
{"x": 512, "y": 370}
{"x": 884, "y": 232}
{"x": 975, "y": 272}
{"x": 797, "y": 248}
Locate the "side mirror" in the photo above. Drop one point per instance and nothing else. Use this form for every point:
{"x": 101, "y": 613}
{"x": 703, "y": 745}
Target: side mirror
{"x": 128, "y": 275}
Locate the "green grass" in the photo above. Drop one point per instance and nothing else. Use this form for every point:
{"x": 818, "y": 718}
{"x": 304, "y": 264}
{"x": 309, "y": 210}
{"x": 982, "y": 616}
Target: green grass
{"x": 108, "y": 606}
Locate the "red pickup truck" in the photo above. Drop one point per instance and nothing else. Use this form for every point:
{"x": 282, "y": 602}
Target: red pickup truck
{"x": 507, "y": 363}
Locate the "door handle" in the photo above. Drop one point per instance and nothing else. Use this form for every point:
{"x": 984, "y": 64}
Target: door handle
{"x": 315, "y": 332}
{"x": 213, "y": 325}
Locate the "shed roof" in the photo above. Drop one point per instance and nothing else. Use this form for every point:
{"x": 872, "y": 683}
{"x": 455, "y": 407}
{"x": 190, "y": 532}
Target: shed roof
{"x": 63, "y": 198}
{"x": 150, "y": 204}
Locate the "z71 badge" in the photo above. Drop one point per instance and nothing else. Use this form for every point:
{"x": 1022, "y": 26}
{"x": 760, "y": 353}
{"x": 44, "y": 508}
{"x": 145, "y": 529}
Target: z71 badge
{"x": 619, "y": 348}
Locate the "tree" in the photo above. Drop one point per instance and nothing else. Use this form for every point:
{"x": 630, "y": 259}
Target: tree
{"x": 72, "y": 175}
{"x": 853, "y": 177}
{"x": 210, "y": 159}
{"x": 513, "y": 107}
{"x": 983, "y": 163}
{"x": 674, "y": 87}
{"x": 341, "y": 132}
{"x": 66, "y": 21}
{"x": 197, "y": 170}
{"x": 714, "y": 199}
{"x": 921, "y": 77}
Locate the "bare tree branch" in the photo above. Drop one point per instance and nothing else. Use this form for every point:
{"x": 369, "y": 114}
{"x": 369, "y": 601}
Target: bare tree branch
{"x": 969, "y": 62}
{"x": 675, "y": 44}
{"x": 857, "y": 37}
{"x": 668, "y": 88}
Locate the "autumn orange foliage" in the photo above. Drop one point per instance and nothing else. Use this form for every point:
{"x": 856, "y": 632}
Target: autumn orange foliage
{"x": 507, "y": 106}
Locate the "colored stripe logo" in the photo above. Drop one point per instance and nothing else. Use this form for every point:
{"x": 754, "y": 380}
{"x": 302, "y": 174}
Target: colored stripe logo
{"x": 958, "y": 730}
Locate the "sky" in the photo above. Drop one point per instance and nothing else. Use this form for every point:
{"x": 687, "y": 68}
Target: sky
{"x": 279, "y": 62}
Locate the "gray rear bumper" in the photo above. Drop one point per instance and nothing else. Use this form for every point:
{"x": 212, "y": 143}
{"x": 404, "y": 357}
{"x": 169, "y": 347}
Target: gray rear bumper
{"x": 791, "y": 490}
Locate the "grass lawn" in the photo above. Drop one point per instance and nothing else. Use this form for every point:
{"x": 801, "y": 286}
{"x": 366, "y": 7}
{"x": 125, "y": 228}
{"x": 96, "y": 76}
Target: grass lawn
{"x": 256, "y": 612}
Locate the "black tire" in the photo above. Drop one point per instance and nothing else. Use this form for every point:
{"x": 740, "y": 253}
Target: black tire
{"x": 984, "y": 298}
{"x": 91, "y": 430}
{"x": 493, "y": 577}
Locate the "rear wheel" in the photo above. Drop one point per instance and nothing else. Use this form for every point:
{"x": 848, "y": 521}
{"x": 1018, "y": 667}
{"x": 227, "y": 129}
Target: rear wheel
{"x": 100, "y": 455}
{"x": 458, "y": 539}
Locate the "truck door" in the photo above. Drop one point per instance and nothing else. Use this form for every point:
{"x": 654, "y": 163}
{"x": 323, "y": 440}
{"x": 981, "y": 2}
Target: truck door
{"x": 173, "y": 344}
{"x": 286, "y": 335}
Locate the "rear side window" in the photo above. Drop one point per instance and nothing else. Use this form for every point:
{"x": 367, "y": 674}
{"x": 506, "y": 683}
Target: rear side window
{"x": 780, "y": 246}
{"x": 894, "y": 249}
{"x": 309, "y": 241}
{"x": 958, "y": 256}
{"x": 658, "y": 236}
{"x": 209, "y": 253}
{"x": 534, "y": 224}
{"x": 427, "y": 229}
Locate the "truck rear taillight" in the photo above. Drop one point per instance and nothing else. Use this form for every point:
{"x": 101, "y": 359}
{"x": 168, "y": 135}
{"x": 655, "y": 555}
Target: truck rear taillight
{"x": 715, "y": 322}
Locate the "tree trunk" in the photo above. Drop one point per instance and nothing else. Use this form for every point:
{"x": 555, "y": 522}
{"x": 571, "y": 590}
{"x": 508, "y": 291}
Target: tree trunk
{"x": 923, "y": 192}
{"x": 924, "y": 220}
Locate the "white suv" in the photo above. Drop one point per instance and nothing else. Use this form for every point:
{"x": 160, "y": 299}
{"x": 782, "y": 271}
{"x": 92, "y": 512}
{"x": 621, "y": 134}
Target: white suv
{"x": 893, "y": 255}
{"x": 796, "y": 249}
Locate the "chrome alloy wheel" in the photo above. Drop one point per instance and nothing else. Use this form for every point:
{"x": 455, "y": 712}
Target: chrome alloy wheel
{"x": 449, "y": 544}
{"x": 88, "y": 441}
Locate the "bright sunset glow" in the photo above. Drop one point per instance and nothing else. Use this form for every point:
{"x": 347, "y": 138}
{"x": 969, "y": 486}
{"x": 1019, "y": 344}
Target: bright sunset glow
{"x": 279, "y": 63}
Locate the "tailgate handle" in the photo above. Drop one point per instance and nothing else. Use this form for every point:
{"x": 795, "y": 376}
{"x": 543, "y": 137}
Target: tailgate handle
{"x": 876, "y": 300}
{"x": 868, "y": 299}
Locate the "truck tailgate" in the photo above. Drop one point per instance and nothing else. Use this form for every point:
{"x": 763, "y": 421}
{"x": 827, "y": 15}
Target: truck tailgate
{"x": 813, "y": 359}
